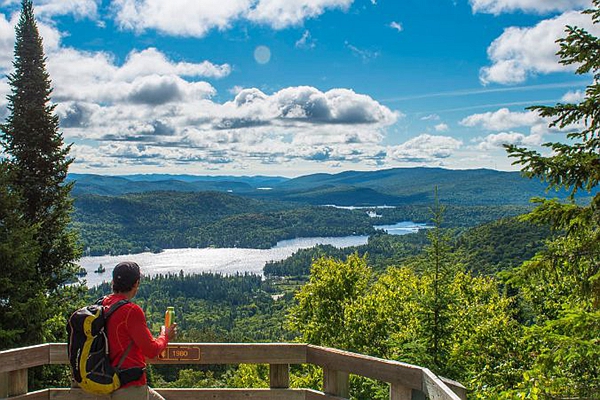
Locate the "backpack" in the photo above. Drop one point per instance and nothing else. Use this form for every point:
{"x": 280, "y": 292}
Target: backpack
{"x": 89, "y": 354}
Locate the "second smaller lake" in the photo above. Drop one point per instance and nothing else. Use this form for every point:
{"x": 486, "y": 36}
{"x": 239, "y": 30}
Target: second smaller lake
{"x": 402, "y": 228}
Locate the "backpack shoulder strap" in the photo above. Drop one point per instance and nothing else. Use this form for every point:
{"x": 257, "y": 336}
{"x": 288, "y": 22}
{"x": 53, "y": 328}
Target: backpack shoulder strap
{"x": 124, "y": 356}
{"x": 114, "y": 307}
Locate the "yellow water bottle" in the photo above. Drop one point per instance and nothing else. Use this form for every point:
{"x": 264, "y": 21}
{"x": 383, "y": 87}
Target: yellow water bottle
{"x": 169, "y": 316}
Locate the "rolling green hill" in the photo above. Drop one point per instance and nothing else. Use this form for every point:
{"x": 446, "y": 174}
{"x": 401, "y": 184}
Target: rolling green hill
{"x": 152, "y": 221}
{"x": 398, "y": 186}
{"x": 417, "y": 185}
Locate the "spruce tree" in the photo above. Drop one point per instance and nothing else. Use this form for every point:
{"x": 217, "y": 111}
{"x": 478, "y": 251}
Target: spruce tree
{"x": 20, "y": 294}
{"x": 38, "y": 161}
{"x": 562, "y": 283}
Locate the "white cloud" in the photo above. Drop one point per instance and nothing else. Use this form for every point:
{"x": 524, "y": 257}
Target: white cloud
{"x": 535, "y": 6}
{"x": 296, "y": 123}
{"x": 522, "y": 52}
{"x": 95, "y": 77}
{"x": 152, "y": 61}
{"x": 192, "y": 18}
{"x": 283, "y": 13}
{"x": 441, "y": 127}
{"x": 497, "y": 140}
{"x": 77, "y": 8}
{"x": 424, "y": 148}
{"x": 574, "y": 97}
{"x": 397, "y": 26}
{"x": 503, "y": 119}
{"x": 178, "y": 17}
{"x": 7, "y": 42}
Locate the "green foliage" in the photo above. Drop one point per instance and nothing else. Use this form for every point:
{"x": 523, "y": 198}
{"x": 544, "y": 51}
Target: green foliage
{"x": 500, "y": 245}
{"x": 485, "y": 249}
{"x": 333, "y": 288}
{"x": 21, "y": 297}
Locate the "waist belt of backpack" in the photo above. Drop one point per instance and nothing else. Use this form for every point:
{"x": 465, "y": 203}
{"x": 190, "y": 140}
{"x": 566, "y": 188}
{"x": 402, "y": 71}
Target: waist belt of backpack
{"x": 129, "y": 374}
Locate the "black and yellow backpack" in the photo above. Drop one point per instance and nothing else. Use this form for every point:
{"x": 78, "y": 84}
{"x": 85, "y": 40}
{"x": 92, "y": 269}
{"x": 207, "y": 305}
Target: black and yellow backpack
{"x": 89, "y": 354}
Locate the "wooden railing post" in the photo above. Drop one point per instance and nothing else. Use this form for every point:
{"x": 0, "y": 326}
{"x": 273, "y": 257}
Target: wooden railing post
{"x": 400, "y": 392}
{"x": 17, "y": 382}
{"x": 279, "y": 376}
{"x": 3, "y": 384}
{"x": 336, "y": 383}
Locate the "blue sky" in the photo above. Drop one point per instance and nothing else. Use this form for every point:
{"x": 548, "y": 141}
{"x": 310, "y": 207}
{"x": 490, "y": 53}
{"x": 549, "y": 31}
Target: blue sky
{"x": 290, "y": 87}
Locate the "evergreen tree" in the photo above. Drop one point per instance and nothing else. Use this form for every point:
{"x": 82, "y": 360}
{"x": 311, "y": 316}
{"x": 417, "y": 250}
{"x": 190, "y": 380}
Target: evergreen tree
{"x": 20, "y": 296}
{"x": 38, "y": 161}
{"x": 562, "y": 284}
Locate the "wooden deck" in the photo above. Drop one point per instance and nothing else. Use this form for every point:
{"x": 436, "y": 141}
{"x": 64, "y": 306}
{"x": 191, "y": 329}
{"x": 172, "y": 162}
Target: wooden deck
{"x": 406, "y": 381}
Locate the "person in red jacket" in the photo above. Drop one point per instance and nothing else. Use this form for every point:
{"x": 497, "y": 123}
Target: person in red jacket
{"x": 127, "y": 328}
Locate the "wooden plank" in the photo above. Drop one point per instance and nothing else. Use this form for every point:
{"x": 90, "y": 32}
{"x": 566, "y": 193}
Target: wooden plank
{"x": 24, "y": 357}
{"x": 316, "y": 395}
{"x": 220, "y": 353}
{"x": 3, "y": 384}
{"x": 399, "y": 392}
{"x": 435, "y": 389}
{"x": 17, "y": 382}
{"x": 245, "y": 353}
{"x": 57, "y": 353}
{"x": 232, "y": 394}
{"x": 336, "y": 383}
{"x": 38, "y": 395}
{"x": 199, "y": 394}
{"x": 456, "y": 387}
{"x": 279, "y": 376}
{"x": 370, "y": 367}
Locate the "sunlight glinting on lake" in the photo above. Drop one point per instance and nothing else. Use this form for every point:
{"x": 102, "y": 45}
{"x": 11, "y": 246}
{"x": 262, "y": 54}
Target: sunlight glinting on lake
{"x": 223, "y": 260}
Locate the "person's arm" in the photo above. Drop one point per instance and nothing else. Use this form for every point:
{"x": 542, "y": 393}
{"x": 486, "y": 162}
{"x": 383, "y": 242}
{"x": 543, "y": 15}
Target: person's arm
{"x": 138, "y": 329}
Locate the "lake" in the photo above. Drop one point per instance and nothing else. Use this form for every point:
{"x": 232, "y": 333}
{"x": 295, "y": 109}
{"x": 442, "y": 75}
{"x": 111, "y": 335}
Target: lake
{"x": 224, "y": 260}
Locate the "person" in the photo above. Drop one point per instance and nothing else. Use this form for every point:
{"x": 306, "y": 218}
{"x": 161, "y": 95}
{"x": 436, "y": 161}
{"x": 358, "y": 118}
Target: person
{"x": 127, "y": 328}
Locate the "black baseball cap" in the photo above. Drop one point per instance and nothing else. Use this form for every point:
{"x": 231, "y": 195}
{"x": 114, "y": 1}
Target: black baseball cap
{"x": 125, "y": 275}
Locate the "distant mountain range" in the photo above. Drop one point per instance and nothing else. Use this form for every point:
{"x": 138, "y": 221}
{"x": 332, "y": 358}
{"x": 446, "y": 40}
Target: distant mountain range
{"x": 398, "y": 186}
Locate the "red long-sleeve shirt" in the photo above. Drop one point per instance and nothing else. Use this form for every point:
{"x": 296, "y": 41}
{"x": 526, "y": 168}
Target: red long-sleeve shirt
{"x": 127, "y": 324}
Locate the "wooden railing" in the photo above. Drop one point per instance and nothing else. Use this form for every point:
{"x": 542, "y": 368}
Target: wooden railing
{"x": 406, "y": 381}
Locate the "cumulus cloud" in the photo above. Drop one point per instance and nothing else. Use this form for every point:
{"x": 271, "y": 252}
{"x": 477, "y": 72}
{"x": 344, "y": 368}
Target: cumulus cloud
{"x": 497, "y": 140}
{"x": 145, "y": 76}
{"x": 192, "y": 18}
{"x": 425, "y": 148}
{"x": 45, "y": 9}
{"x": 283, "y": 13}
{"x": 522, "y": 52}
{"x": 296, "y": 123}
{"x": 441, "y": 127}
{"x": 7, "y": 41}
{"x": 534, "y": 6}
{"x": 573, "y": 97}
{"x": 503, "y": 119}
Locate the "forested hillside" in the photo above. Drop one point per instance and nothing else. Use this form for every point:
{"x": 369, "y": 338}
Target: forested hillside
{"x": 156, "y": 220}
{"x": 483, "y": 250}
{"x": 398, "y": 186}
